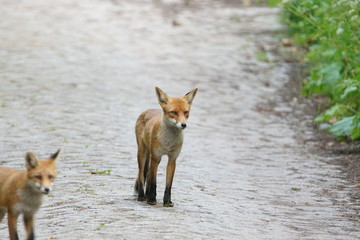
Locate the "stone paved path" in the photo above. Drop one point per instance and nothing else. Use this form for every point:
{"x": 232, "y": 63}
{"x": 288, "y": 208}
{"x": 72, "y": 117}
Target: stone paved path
{"x": 76, "y": 74}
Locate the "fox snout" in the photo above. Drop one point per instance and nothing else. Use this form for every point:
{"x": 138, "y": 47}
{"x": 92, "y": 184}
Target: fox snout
{"x": 181, "y": 125}
{"x": 44, "y": 188}
{"x": 179, "y": 118}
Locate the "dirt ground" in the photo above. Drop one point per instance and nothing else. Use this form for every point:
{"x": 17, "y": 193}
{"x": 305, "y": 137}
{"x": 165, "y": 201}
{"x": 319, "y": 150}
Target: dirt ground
{"x": 75, "y": 75}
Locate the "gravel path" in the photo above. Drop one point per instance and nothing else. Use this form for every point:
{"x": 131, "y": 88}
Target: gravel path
{"x": 76, "y": 74}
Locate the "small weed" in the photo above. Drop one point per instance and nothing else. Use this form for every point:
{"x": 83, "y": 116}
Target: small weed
{"x": 101, "y": 226}
{"x": 82, "y": 189}
{"x": 295, "y": 189}
{"x": 262, "y": 56}
{"x": 85, "y": 189}
{"x": 101, "y": 172}
{"x": 97, "y": 171}
{"x": 235, "y": 17}
{"x": 187, "y": 2}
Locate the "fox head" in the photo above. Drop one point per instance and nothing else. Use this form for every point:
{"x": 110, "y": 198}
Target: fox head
{"x": 41, "y": 173}
{"x": 176, "y": 110}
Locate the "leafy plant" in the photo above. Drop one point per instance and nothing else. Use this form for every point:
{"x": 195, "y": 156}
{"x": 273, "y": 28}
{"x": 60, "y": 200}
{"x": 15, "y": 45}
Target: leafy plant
{"x": 330, "y": 30}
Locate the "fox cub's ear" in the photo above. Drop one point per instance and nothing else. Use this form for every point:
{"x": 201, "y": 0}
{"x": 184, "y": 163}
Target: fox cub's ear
{"x": 163, "y": 98}
{"x": 56, "y": 155}
{"x": 31, "y": 160}
{"x": 189, "y": 97}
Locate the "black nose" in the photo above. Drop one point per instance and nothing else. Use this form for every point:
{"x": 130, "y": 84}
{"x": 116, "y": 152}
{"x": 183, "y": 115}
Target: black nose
{"x": 183, "y": 125}
{"x": 47, "y": 190}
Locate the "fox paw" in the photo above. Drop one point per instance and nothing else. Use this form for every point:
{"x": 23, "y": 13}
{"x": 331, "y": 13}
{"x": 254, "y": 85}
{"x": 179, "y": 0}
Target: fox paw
{"x": 168, "y": 204}
{"x": 141, "y": 199}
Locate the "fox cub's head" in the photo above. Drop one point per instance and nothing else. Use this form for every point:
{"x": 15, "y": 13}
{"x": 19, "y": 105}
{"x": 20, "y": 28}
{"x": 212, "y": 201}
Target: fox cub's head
{"x": 41, "y": 173}
{"x": 176, "y": 110}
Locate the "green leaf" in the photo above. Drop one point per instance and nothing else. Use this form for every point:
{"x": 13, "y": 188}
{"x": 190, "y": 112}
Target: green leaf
{"x": 331, "y": 73}
{"x": 355, "y": 133}
{"x": 335, "y": 111}
{"x": 329, "y": 52}
{"x": 343, "y": 127}
{"x": 348, "y": 91}
{"x": 273, "y": 3}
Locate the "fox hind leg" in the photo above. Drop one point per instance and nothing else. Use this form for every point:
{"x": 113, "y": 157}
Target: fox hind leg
{"x": 143, "y": 167}
{"x": 151, "y": 180}
{"x": 146, "y": 165}
{"x": 2, "y": 213}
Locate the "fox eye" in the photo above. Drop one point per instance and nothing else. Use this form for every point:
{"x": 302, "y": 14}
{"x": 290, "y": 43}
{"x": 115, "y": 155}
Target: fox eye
{"x": 38, "y": 177}
{"x": 51, "y": 177}
{"x": 173, "y": 113}
{"x": 186, "y": 112}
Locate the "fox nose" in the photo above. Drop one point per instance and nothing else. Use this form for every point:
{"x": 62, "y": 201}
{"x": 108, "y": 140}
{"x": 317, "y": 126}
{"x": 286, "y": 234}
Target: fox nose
{"x": 183, "y": 125}
{"x": 47, "y": 190}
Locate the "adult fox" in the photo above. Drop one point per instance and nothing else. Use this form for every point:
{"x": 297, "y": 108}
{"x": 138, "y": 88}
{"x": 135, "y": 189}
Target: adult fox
{"x": 158, "y": 133}
{"x": 21, "y": 191}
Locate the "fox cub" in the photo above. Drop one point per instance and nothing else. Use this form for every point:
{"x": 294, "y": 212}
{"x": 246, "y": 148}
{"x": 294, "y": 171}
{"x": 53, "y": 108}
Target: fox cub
{"x": 158, "y": 133}
{"x": 21, "y": 191}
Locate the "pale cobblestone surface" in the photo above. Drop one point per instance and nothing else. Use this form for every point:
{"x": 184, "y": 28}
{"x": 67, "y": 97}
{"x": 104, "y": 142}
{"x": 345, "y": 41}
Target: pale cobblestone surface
{"x": 76, "y": 74}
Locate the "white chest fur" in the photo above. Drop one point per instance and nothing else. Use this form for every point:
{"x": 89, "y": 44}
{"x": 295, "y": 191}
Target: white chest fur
{"x": 30, "y": 201}
{"x": 171, "y": 140}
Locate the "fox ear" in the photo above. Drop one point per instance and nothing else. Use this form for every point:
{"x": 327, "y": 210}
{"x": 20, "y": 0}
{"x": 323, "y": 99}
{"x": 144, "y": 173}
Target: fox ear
{"x": 56, "y": 155}
{"x": 163, "y": 98}
{"x": 189, "y": 97}
{"x": 31, "y": 160}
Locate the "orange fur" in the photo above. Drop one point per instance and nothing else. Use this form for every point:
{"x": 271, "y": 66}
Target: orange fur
{"x": 21, "y": 191}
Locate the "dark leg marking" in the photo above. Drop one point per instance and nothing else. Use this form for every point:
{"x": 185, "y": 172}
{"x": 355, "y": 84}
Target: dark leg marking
{"x": 151, "y": 191}
{"x": 167, "y": 197}
{"x": 16, "y": 236}
{"x": 32, "y": 235}
{"x": 140, "y": 190}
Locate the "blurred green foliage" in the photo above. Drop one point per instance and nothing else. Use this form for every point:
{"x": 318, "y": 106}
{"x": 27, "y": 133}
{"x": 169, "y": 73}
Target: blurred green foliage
{"x": 330, "y": 30}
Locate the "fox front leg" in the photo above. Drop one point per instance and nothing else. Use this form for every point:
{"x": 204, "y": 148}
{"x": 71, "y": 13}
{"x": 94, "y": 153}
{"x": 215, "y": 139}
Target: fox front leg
{"x": 29, "y": 226}
{"x": 12, "y": 224}
{"x": 170, "y": 171}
